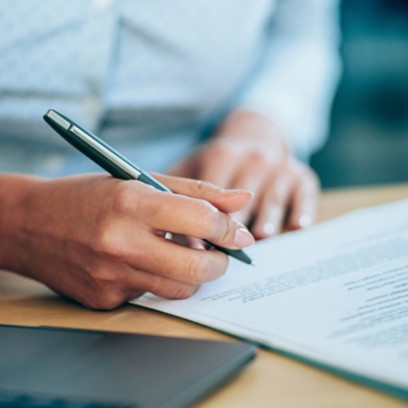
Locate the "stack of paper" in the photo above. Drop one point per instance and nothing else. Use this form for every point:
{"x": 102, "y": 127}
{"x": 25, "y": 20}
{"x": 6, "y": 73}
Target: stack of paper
{"x": 335, "y": 295}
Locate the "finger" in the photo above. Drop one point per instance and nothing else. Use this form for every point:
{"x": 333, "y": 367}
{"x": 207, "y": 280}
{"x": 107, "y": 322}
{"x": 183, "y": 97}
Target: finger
{"x": 227, "y": 201}
{"x": 218, "y": 163}
{"x": 272, "y": 206}
{"x": 304, "y": 201}
{"x": 189, "y": 216}
{"x": 252, "y": 176}
{"x": 170, "y": 260}
{"x": 189, "y": 242}
{"x": 186, "y": 168}
{"x": 136, "y": 282}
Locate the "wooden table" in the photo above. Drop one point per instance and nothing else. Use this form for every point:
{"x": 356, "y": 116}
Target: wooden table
{"x": 270, "y": 381}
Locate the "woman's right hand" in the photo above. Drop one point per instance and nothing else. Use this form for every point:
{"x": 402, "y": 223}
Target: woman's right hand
{"x": 100, "y": 240}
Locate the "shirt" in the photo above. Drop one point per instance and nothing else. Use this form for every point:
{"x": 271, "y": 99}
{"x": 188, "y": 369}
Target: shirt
{"x": 154, "y": 78}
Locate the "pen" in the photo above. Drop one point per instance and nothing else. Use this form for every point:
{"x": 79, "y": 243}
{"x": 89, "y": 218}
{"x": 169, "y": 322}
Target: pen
{"x": 113, "y": 162}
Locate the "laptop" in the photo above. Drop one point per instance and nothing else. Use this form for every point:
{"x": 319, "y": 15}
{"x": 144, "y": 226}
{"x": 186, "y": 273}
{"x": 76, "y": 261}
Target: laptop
{"x": 55, "y": 368}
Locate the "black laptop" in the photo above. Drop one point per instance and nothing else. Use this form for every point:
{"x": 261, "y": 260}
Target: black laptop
{"x": 50, "y": 367}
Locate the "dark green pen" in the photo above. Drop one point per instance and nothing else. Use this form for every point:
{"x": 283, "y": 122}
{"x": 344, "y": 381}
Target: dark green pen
{"x": 113, "y": 162}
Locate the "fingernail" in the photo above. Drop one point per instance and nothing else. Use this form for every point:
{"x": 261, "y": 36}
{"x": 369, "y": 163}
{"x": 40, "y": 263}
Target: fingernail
{"x": 168, "y": 235}
{"x": 269, "y": 229}
{"x": 305, "y": 221}
{"x": 243, "y": 238}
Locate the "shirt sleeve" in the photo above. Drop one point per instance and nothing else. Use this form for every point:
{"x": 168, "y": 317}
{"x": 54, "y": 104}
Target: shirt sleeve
{"x": 295, "y": 81}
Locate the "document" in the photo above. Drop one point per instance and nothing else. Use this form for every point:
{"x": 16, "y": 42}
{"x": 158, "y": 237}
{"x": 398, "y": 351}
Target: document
{"x": 335, "y": 295}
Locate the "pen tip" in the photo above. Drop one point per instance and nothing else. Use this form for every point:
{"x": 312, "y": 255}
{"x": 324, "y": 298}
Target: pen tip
{"x": 252, "y": 264}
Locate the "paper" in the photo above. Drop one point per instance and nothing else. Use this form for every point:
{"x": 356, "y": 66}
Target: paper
{"x": 336, "y": 294}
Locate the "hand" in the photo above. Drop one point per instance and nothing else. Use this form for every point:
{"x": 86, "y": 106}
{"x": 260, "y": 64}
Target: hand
{"x": 101, "y": 240}
{"x": 249, "y": 152}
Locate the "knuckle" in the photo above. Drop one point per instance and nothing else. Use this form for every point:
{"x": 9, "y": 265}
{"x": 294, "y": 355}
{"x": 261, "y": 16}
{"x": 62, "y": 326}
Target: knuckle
{"x": 214, "y": 226}
{"x": 108, "y": 299}
{"x": 132, "y": 198}
{"x": 197, "y": 269}
{"x": 155, "y": 285}
{"x": 184, "y": 291}
{"x": 101, "y": 275}
{"x": 221, "y": 268}
{"x": 147, "y": 204}
{"x": 107, "y": 244}
{"x": 287, "y": 172}
{"x": 201, "y": 187}
{"x": 226, "y": 230}
{"x": 207, "y": 218}
{"x": 219, "y": 149}
{"x": 307, "y": 177}
{"x": 258, "y": 158}
{"x": 104, "y": 293}
{"x": 123, "y": 197}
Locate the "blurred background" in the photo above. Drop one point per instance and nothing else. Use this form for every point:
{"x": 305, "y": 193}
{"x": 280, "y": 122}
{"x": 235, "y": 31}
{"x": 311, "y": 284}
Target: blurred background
{"x": 368, "y": 141}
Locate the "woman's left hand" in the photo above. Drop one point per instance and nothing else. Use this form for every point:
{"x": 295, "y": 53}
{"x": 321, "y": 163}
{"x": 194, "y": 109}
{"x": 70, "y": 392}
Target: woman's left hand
{"x": 249, "y": 152}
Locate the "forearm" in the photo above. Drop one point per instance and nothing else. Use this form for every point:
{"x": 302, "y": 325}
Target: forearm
{"x": 298, "y": 73}
{"x": 14, "y": 197}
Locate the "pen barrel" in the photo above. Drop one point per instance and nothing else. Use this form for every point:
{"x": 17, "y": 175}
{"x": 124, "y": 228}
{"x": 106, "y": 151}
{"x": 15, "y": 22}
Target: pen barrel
{"x": 235, "y": 253}
{"x": 147, "y": 179}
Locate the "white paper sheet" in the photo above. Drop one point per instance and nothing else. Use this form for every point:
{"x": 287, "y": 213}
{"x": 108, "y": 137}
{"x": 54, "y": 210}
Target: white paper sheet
{"x": 336, "y": 294}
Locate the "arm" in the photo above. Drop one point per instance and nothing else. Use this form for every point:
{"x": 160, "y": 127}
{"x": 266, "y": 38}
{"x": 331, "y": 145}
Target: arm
{"x": 101, "y": 241}
{"x": 298, "y": 74}
{"x": 282, "y": 114}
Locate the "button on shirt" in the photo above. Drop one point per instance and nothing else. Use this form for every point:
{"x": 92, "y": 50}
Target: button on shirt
{"x": 154, "y": 78}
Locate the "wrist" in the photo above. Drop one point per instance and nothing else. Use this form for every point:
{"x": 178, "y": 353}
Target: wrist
{"x": 15, "y": 191}
{"x": 245, "y": 124}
